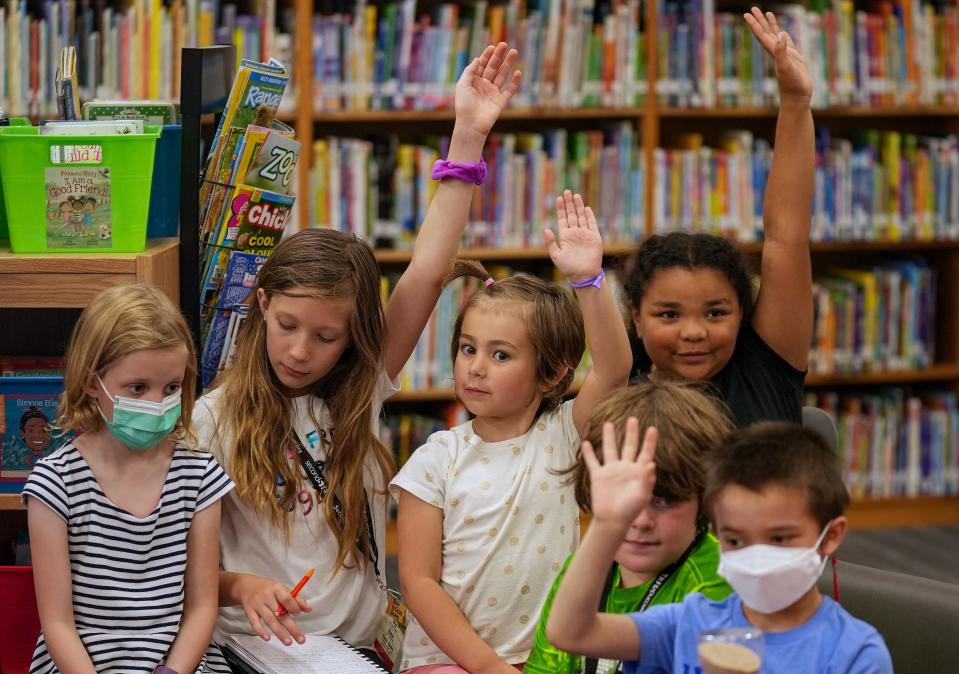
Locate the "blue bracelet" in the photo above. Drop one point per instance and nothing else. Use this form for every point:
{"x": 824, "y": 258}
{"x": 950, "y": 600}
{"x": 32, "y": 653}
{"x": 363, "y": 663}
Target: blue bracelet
{"x": 596, "y": 281}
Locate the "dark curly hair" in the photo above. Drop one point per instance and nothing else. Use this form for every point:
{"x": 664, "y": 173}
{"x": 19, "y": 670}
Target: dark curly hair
{"x": 688, "y": 251}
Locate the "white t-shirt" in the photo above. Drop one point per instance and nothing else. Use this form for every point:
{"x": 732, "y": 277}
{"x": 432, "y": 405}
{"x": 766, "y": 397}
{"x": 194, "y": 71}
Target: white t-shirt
{"x": 509, "y": 522}
{"x": 349, "y": 604}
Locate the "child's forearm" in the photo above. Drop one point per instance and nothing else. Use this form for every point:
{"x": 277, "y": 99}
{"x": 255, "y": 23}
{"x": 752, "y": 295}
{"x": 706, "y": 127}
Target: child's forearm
{"x": 228, "y": 593}
{"x": 439, "y": 237}
{"x": 446, "y": 625}
{"x": 574, "y": 614}
{"x": 66, "y": 649}
{"x": 789, "y": 190}
{"x": 608, "y": 342}
{"x": 193, "y": 638}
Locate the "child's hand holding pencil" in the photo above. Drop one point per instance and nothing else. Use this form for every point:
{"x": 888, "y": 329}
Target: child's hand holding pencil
{"x": 295, "y": 591}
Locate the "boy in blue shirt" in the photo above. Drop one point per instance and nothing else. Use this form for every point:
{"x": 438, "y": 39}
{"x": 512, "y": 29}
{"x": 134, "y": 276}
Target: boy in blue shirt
{"x": 776, "y": 498}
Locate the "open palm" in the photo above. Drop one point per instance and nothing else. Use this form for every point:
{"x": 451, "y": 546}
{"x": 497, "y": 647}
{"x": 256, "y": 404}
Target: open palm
{"x": 623, "y": 484}
{"x": 791, "y": 71}
{"x": 485, "y": 88}
{"x": 576, "y": 247}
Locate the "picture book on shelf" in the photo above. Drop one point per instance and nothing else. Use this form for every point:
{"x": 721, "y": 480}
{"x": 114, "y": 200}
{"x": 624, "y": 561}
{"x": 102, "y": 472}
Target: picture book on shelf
{"x": 79, "y": 212}
{"x": 28, "y": 410}
{"x": 238, "y": 282}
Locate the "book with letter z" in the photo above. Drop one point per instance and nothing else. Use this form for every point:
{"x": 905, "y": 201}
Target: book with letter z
{"x": 326, "y": 654}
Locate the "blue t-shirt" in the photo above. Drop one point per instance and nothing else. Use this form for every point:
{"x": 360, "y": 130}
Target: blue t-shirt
{"x": 831, "y": 642}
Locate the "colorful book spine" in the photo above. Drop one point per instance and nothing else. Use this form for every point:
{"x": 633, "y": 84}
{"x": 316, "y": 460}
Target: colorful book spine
{"x": 525, "y": 173}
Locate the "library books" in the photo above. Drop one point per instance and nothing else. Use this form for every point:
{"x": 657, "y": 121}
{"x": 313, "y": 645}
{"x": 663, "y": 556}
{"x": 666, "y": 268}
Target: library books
{"x": 896, "y": 443}
{"x": 123, "y": 52}
{"x": 380, "y": 189}
{"x": 873, "y": 186}
{"x": 872, "y": 319}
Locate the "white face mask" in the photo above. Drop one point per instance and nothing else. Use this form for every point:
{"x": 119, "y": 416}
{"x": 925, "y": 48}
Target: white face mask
{"x": 768, "y": 578}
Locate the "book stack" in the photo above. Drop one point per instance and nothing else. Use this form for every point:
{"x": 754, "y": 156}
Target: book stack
{"x": 125, "y": 50}
{"x": 873, "y": 186}
{"x": 246, "y": 203}
{"x": 380, "y": 189}
{"x": 873, "y": 319}
{"x": 895, "y": 443}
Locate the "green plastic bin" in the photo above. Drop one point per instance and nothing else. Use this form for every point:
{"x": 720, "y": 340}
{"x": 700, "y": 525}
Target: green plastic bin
{"x": 4, "y": 234}
{"x": 69, "y": 194}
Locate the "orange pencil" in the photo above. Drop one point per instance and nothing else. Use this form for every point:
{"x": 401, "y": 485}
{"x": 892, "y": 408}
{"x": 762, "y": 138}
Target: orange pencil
{"x": 299, "y": 586}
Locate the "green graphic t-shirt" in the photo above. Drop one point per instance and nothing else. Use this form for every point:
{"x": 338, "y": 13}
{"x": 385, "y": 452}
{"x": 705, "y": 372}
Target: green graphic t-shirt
{"x": 697, "y": 574}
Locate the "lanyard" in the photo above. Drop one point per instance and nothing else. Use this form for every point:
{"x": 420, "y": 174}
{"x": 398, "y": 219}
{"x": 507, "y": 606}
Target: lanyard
{"x": 315, "y": 471}
{"x": 591, "y": 665}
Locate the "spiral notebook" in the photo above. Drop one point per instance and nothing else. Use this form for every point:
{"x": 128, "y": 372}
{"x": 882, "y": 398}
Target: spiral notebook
{"x": 319, "y": 655}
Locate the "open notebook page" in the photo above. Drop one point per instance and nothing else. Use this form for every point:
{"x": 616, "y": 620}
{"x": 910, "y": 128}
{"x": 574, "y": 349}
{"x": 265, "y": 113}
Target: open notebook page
{"x": 319, "y": 655}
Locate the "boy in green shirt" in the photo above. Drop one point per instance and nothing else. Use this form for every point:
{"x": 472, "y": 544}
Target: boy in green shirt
{"x": 668, "y": 551}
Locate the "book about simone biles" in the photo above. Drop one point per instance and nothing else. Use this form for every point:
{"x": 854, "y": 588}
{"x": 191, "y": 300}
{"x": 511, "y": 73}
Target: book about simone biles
{"x": 320, "y": 654}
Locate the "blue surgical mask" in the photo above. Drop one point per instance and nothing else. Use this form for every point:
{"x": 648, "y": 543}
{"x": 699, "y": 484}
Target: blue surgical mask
{"x": 141, "y": 424}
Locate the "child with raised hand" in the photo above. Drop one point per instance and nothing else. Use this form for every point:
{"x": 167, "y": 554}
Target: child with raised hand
{"x": 775, "y": 495}
{"x": 484, "y": 514}
{"x": 293, "y": 420}
{"x": 691, "y": 298}
{"x": 124, "y": 519}
{"x": 667, "y": 552}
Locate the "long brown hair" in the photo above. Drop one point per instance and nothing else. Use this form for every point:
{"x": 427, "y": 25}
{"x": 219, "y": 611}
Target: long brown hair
{"x": 259, "y": 415}
{"x": 690, "y": 424}
{"x": 554, "y": 324}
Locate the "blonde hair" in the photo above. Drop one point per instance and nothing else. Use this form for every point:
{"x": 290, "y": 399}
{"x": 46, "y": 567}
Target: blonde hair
{"x": 259, "y": 414}
{"x": 691, "y": 424}
{"x": 554, "y": 324}
{"x": 117, "y": 322}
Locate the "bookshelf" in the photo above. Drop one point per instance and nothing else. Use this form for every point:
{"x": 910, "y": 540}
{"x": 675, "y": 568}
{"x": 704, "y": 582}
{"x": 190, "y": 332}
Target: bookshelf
{"x": 69, "y": 281}
{"x": 658, "y": 123}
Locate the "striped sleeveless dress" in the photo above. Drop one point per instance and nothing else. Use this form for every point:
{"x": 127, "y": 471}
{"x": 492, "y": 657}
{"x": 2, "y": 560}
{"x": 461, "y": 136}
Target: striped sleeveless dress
{"x": 128, "y": 572}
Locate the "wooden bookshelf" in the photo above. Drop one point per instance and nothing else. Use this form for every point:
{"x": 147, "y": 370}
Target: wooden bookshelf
{"x": 655, "y": 124}
{"x": 70, "y": 280}
{"x": 10, "y": 502}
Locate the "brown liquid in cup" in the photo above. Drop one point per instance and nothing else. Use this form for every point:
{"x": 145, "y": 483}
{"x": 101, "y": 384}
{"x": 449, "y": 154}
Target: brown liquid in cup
{"x": 717, "y": 657}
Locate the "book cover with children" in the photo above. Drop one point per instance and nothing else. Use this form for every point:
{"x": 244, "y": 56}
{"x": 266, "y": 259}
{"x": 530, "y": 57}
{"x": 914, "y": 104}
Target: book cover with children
{"x": 79, "y": 212}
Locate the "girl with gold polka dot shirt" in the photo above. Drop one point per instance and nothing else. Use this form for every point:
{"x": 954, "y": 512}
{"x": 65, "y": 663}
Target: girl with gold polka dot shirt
{"x": 486, "y": 516}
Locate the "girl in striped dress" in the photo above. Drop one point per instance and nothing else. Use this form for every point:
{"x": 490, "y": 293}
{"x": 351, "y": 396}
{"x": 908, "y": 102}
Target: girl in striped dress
{"x": 124, "y": 519}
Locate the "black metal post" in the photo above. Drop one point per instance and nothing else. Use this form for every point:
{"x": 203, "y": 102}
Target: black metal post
{"x": 206, "y": 75}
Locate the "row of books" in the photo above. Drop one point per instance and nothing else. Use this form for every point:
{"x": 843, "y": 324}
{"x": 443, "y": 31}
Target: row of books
{"x": 589, "y": 54}
{"x": 895, "y": 443}
{"x": 897, "y": 53}
{"x": 380, "y": 189}
{"x": 388, "y": 57}
{"x": 246, "y": 202}
{"x": 874, "y": 186}
{"x": 878, "y": 318}
{"x": 124, "y": 51}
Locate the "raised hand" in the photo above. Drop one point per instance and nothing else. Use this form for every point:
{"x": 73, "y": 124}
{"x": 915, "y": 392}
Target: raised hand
{"x": 485, "y": 87}
{"x": 623, "y": 484}
{"x": 576, "y": 247}
{"x": 791, "y": 71}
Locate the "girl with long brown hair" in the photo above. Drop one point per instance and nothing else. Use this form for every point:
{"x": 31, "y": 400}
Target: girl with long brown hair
{"x": 292, "y": 421}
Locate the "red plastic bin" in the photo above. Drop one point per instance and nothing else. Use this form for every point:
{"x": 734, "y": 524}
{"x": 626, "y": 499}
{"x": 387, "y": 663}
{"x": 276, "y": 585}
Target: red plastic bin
{"x": 19, "y": 620}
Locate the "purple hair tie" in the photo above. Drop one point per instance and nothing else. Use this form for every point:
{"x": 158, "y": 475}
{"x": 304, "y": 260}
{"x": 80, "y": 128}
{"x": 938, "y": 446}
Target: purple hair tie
{"x": 488, "y": 282}
{"x": 471, "y": 172}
